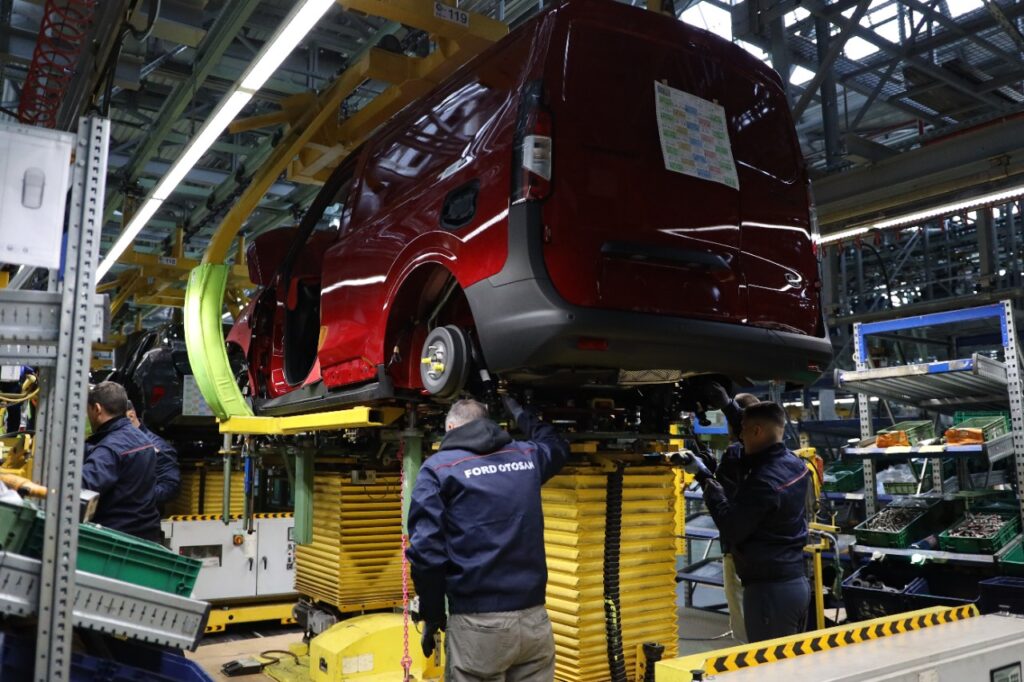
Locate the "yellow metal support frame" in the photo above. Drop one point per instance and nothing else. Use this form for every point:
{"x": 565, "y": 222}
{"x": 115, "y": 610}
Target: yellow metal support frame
{"x": 220, "y": 618}
{"x": 352, "y": 418}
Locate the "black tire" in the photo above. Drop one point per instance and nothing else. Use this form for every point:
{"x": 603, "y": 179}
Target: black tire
{"x": 445, "y": 346}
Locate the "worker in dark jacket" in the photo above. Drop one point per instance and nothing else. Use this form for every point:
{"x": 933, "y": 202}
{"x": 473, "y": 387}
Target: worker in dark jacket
{"x": 729, "y": 473}
{"x": 765, "y": 525}
{"x": 120, "y": 464}
{"x": 477, "y": 535}
{"x": 168, "y": 478}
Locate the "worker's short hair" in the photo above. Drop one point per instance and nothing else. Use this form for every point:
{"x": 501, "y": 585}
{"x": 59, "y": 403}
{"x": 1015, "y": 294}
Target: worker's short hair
{"x": 465, "y": 411}
{"x": 745, "y": 400}
{"x": 131, "y": 406}
{"x": 766, "y": 413}
{"x": 111, "y": 397}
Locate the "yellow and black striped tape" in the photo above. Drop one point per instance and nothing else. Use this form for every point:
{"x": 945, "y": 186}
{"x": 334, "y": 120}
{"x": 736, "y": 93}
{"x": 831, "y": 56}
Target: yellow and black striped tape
{"x": 833, "y": 640}
{"x": 233, "y": 517}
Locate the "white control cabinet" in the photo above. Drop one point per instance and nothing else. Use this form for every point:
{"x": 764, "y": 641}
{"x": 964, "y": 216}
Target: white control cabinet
{"x": 237, "y": 565}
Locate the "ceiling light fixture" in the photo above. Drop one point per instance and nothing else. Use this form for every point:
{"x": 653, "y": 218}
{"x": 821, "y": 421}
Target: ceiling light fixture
{"x": 303, "y": 17}
{"x": 911, "y": 219}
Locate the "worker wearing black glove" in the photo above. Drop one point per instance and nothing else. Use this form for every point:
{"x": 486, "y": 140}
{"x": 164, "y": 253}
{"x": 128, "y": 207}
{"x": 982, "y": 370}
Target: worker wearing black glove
{"x": 476, "y": 503}
{"x": 429, "y": 636}
{"x": 763, "y": 524}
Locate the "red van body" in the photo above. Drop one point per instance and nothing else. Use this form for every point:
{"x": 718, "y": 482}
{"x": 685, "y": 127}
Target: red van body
{"x": 610, "y": 264}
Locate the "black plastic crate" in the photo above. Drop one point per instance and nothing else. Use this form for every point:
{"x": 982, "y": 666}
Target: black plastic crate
{"x": 1002, "y": 591}
{"x": 941, "y": 586}
{"x": 864, "y": 603}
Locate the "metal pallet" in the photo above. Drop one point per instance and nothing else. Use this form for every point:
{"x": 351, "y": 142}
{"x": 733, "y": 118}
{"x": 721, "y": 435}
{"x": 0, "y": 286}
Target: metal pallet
{"x": 107, "y": 605}
{"x": 978, "y": 382}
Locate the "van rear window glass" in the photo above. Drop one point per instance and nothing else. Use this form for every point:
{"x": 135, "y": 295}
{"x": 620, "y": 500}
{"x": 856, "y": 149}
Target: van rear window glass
{"x": 609, "y": 84}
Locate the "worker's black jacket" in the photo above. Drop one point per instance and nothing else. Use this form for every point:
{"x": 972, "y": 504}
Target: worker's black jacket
{"x": 120, "y": 464}
{"x": 764, "y": 523}
{"x": 168, "y": 477}
{"x": 475, "y": 522}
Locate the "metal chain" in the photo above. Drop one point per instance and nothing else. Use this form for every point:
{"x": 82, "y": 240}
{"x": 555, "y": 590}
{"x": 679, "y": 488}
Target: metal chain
{"x": 406, "y": 658}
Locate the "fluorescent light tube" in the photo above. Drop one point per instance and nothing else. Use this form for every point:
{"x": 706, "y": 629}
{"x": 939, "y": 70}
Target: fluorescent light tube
{"x": 291, "y": 32}
{"x": 135, "y": 225}
{"x": 208, "y": 134}
{"x": 919, "y": 216}
{"x": 294, "y": 28}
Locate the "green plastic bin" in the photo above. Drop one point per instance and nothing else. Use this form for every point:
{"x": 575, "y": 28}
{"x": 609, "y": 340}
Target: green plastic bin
{"x": 989, "y": 545}
{"x": 918, "y": 528}
{"x": 16, "y": 522}
{"x": 842, "y": 477}
{"x": 1012, "y": 561}
{"x": 120, "y": 556}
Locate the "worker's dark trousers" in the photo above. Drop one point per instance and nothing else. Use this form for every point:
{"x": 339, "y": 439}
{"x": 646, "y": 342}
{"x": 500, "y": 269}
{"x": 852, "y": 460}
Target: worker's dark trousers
{"x": 773, "y": 610}
{"x": 505, "y": 646}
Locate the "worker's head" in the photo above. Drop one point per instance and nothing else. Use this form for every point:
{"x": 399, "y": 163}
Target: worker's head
{"x": 107, "y": 401}
{"x": 464, "y": 411}
{"x": 764, "y": 425}
{"x": 744, "y": 400}
{"x": 132, "y": 415}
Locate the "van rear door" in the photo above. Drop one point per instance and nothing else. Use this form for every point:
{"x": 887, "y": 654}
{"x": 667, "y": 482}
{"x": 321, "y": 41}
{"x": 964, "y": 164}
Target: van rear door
{"x": 625, "y": 232}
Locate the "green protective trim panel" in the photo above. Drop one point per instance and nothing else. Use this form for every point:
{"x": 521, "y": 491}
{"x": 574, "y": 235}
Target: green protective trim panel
{"x": 204, "y": 338}
{"x": 303, "y": 497}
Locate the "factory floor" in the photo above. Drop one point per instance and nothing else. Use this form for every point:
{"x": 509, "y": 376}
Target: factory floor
{"x": 699, "y": 630}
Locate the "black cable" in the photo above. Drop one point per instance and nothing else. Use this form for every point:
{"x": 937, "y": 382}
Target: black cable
{"x": 888, "y": 292}
{"x": 612, "y": 603}
{"x": 274, "y": 659}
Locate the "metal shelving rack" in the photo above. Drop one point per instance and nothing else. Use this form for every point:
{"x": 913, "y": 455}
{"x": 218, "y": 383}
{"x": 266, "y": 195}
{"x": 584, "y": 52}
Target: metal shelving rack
{"x": 976, "y": 383}
{"x": 53, "y": 331}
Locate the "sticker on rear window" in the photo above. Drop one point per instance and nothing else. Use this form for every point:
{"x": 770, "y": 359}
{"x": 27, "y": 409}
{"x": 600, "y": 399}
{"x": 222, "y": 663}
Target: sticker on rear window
{"x": 694, "y": 136}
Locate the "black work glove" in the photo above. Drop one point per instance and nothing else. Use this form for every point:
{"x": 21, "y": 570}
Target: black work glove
{"x": 512, "y": 406}
{"x": 430, "y": 629}
{"x": 715, "y": 395}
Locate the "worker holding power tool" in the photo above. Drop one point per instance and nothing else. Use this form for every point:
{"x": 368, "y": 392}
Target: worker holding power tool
{"x": 729, "y": 473}
{"x": 476, "y": 532}
{"x": 764, "y": 524}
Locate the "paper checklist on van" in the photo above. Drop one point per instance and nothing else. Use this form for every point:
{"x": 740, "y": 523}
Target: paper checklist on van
{"x": 694, "y": 136}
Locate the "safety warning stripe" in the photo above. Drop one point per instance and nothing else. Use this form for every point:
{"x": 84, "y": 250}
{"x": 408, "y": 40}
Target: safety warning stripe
{"x": 835, "y": 639}
{"x": 233, "y": 517}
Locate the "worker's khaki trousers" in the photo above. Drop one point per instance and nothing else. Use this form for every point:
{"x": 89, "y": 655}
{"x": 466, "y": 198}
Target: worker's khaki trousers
{"x": 734, "y": 598}
{"x": 505, "y": 646}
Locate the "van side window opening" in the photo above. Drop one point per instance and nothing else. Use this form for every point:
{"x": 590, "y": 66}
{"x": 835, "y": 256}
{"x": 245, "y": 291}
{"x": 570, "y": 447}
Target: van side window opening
{"x": 338, "y": 213}
{"x": 401, "y": 163}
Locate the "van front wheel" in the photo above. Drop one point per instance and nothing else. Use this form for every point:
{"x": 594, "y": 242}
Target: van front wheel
{"x": 444, "y": 362}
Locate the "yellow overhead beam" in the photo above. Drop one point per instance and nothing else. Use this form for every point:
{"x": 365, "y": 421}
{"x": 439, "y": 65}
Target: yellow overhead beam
{"x": 352, "y": 418}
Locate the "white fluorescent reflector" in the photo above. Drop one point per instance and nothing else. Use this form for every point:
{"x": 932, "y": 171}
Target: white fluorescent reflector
{"x": 135, "y": 225}
{"x": 845, "y": 234}
{"x": 935, "y": 212}
{"x": 295, "y": 27}
{"x": 283, "y": 42}
{"x": 201, "y": 144}
{"x": 991, "y": 198}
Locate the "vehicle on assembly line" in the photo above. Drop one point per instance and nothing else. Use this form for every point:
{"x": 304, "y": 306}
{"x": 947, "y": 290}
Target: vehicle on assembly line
{"x": 541, "y": 214}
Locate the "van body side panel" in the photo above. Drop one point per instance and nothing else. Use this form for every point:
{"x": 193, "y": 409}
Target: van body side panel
{"x": 435, "y": 189}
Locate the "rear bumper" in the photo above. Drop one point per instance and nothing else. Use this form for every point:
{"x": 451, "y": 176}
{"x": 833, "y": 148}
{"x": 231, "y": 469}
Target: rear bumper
{"x": 523, "y": 324}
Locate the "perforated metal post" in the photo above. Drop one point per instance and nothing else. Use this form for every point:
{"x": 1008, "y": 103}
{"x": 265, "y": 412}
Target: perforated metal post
{"x": 866, "y": 431}
{"x": 1011, "y": 355}
{"x": 65, "y": 427}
